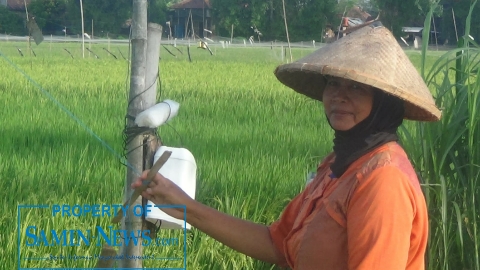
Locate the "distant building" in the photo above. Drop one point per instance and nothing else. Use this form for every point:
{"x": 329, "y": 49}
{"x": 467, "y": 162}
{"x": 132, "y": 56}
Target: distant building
{"x": 15, "y": 5}
{"x": 190, "y": 18}
{"x": 414, "y": 34}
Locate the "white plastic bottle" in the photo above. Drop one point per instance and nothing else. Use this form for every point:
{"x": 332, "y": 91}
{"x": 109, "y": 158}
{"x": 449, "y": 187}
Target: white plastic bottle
{"x": 181, "y": 168}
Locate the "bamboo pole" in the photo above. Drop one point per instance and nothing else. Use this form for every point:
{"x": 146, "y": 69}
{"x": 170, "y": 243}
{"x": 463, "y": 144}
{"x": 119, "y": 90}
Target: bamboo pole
{"x": 191, "y": 22}
{"x": 186, "y": 26}
{"x": 435, "y": 30}
{"x": 136, "y": 104}
{"x": 29, "y": 41}
{"x": 203, "y": 20}
{"x": 90, "y": 40}
{"x": 83, "y": 30}
{"x": 286, "y": 30}
{"x": 455, "y": 24}
{"x": 154, "y": 37}
{"x": 150, "y": 141}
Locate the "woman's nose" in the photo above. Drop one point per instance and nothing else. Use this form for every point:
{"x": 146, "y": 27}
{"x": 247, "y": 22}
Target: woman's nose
{"x": 339, "y": 94}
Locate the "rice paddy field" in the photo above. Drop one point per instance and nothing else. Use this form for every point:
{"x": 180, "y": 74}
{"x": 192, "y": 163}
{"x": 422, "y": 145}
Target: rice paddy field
{"x": 253, "y": 139}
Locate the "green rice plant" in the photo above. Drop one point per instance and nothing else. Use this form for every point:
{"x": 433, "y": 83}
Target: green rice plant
{"x": 253, "y": 139}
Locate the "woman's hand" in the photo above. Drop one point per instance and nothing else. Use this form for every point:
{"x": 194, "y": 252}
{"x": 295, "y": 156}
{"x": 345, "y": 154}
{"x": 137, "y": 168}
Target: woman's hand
{"x": 163, "y": 191}
{"x": 244, "y": 236}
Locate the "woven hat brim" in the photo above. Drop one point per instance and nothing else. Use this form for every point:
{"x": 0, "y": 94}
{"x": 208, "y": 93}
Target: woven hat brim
{"x": 307, "y": 75}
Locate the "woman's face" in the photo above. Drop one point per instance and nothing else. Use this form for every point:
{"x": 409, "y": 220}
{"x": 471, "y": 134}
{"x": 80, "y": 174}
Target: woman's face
{"x": 346, "y": 102}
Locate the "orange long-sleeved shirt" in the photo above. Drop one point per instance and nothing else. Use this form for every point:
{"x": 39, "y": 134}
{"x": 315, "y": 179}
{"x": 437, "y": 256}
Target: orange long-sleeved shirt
{"x": 373, "y": 217}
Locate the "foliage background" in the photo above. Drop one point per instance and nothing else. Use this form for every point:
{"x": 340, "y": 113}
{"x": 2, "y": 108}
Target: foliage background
{"x": 306, "y": 18}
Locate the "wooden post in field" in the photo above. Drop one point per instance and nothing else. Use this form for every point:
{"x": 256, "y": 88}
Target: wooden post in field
{"x": 191, "y": 22}
{"x": 455, "y": 24}
{"x": 136, "y": 104}
{"x": 151, "y": 143}
{"x": 154, "y": 38}
{"x": 29, "y": 34}
{"x": 286, "y": 30}
{"x": 83, "y": 30}
{"x": 90, "y": 41}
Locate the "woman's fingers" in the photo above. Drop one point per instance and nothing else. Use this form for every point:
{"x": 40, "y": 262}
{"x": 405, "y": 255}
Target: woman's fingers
{"x": 139, "y": 181}
{"x": 160, "y": 190}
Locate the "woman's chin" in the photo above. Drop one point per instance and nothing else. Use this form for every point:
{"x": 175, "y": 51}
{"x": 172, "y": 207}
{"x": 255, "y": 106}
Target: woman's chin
{"x": 341, "y": 126}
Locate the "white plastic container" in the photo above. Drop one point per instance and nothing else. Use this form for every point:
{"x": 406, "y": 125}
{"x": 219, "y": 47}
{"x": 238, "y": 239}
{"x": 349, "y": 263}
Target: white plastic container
{"x": 181, "y": 168}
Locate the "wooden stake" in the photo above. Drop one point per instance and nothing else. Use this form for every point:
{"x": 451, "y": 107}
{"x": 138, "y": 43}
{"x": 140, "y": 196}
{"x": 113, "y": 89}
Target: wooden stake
{"x": 286, "y": 30}
{"x": 83, "y": 30}
{"x": 191, "y": 23}
{"x": 435, "y": 30}
{"x": 154, "y": 37}
{"x": 186, "y": 26}
{"x": 455, "y": 24}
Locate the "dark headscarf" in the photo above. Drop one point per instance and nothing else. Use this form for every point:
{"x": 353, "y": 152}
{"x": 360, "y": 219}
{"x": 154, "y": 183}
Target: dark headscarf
{"x": 377, "y": 129}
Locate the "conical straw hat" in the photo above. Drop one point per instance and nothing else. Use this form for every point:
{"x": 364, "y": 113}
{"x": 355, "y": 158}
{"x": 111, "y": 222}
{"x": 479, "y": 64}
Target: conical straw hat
{"x": 369, "y": 55}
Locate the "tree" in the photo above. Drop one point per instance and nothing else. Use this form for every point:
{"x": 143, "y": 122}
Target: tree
{"x": 233, "y": 12}
{"x": 306, "y": 18}
{"x": 396, "y": 14}
{"x": 49, "y": 15}
{"x": 11, "y": 23}
{"x": 460, "y": 9}
{"x": 157, "y": 10}
{"x": 312, "y": 17}
{"x": 108, "y": 16}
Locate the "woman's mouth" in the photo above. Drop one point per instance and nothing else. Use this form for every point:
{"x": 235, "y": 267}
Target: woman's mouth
{"x": 340, "y": 112}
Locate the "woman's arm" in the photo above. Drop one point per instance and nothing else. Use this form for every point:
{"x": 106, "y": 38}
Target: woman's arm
{"x": 244, "y": 236}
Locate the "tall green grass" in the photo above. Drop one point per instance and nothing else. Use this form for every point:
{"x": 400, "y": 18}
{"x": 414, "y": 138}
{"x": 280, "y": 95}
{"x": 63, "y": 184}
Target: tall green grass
{"x": 447, "y": 155}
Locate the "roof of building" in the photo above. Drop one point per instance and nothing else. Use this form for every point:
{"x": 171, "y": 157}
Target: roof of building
{"x": 194, "y": 4}
{"x": 17, "y": 5}
{"x": 412, "y": 29}
{"x": 357, "y": 12}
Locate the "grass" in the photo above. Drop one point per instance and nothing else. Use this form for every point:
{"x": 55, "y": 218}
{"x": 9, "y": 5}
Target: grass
{"x": 251, "y": 137}
{"x": 447, "y": 157}
{"x": 254, "y": 142}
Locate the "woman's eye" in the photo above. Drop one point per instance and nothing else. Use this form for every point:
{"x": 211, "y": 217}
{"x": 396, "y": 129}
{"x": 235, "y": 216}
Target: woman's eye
{"x": 357, "y": 88}
{"x": 332, "y": 83}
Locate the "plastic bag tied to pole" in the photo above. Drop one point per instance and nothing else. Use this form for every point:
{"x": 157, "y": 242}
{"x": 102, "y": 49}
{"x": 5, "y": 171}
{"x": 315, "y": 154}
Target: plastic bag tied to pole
{"x": 158, "y": 114}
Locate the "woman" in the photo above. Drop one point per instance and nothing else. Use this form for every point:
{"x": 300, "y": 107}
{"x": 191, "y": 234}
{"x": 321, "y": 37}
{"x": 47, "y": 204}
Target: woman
{"x": 365, "y": 208}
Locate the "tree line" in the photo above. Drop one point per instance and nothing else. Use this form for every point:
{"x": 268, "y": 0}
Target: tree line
{"x": 306, "y": 19}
